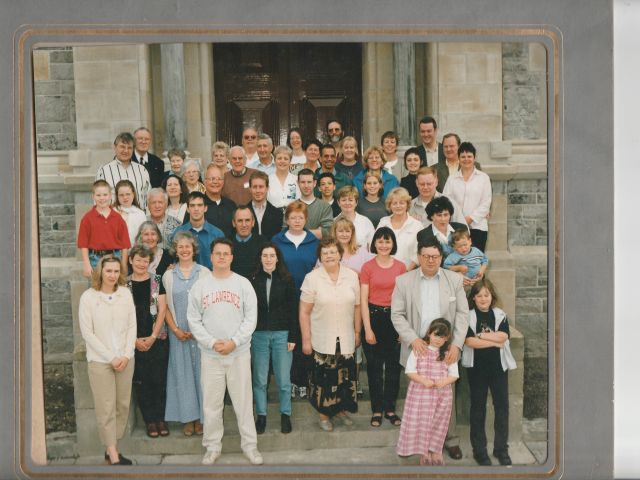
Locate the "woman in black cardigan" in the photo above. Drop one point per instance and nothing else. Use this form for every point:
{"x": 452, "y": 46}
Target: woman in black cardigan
{"x": 276, "y": 334}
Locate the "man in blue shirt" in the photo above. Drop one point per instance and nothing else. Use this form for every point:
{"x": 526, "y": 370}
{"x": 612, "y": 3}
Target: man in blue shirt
{"x": 200, "y": 228}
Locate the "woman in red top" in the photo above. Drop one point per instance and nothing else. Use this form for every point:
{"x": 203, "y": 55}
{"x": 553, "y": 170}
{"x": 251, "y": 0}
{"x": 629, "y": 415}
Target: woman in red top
{"x": 381, "y": 346}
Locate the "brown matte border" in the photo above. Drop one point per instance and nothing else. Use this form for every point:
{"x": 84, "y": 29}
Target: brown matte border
{"x": 88, "y": 32}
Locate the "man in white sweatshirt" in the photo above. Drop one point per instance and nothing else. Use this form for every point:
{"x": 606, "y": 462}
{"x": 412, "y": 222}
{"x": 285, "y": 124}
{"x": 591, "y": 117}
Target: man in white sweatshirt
{"x": 222, "y": 315}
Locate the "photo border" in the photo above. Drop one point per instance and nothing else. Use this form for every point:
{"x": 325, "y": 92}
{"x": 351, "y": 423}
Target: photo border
{"x": 27, "y": 274}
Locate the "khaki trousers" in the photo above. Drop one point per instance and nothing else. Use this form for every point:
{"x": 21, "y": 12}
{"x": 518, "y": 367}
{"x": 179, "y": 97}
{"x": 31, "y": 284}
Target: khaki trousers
{"x": 111, "y": 397}
{"x": 234, "y": 374}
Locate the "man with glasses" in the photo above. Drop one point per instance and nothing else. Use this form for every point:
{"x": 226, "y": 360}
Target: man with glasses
{"x": 250, "y": 144}
{"x": 222, "y": 314}
{"x": 421, "y": 296}
{"x": 335, "y": 134}
{"x": 219, "y": 209}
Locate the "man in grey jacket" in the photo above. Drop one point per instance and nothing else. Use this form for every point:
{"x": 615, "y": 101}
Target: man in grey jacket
{"x": 222, "y": 315}
{"x": 421, "y": 296}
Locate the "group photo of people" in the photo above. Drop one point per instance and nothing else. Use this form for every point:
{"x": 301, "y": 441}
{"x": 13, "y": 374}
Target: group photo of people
{"x": 309, "y": 268}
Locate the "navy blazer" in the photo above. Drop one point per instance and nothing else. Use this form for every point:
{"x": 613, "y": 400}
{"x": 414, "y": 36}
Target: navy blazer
{"x": 155, "y": 167}
{"x": 271, "y": 223}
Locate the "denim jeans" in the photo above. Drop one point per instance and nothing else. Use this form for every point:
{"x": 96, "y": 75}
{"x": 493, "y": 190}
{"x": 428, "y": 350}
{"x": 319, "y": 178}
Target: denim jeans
{"x": 265, "y": 344}
{"x": 94, "y": 258}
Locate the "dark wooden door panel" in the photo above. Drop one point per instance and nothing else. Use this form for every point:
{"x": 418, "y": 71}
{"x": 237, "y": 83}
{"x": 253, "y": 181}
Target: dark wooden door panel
{"x": 276, "y": 86}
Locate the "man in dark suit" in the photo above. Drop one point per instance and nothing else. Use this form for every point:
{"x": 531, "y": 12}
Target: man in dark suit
{"x": 141, "y": 155}
{"x": 268, "y": 218}
{"x": 430, "y": 151}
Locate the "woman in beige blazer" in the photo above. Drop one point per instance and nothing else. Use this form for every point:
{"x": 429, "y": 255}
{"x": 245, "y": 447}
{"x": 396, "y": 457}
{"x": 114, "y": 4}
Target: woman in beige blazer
{"x": 108, "y": 327}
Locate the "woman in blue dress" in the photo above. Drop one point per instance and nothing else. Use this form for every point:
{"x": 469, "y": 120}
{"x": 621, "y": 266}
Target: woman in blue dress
{"x": 184, "y": 396}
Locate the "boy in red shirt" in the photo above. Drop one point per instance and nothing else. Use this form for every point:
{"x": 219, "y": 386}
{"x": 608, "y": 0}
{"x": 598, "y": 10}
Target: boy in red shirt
{"x": 102, "y": 231}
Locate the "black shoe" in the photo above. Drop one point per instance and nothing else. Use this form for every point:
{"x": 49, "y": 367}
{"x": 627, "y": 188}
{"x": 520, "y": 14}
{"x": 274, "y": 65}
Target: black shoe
{"x": 482, "y": 458}
{"x": 261, "y": 424}
{"x": 503, "y": 457}
{"x": 285, "y": 423}
{"x": 454, "y": 452}
{"x": 121, "y": 460}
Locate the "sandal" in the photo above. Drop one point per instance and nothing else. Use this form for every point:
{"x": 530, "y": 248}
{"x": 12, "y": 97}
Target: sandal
{"x": 163, "y": 429}
{"x": 152, "y": 430}
{"x": 198, "y": 427}
{"x": 188, "y": 429}
{"x": 376, "y": 420}
{"x": 394, "y": 419}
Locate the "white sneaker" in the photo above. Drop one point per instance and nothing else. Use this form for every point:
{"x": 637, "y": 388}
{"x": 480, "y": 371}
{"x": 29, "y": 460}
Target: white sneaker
{"x": 210, "y": 457}
{"x": 294, "y": 388}
{"x": 254, "y": 457}
{"x": 302, "y": 391}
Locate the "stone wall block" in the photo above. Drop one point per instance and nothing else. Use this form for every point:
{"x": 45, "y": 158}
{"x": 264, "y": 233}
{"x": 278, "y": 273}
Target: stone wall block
{"x": 49, "y": 127}
{"x": 40, "y": 65}
{"x": 452, "y": 69}
{"x": 105, "y": 53}
{"x": 46, "y": 87}
{"x": 471, "y": 98}
{"x": 529, "y": 305}
{"x": 52, "y": 251}
{"x": 57, "y": 340}
{"x": 61, "y": 71}
{"x": 526, "y": 276}
{"x": 61, "y": 56}
{"x": 483, "y": 69}
{"x": 58, "y": 308}
{"x": 55, "y": 290}
{"x": 52, "y": 108}
{"x": 49, "y": 197}
{"x": 522, "y": 198}
{"x": 63, "y": 222}
{"x": 532, "y": 292}
{"x": 92, "y": 76}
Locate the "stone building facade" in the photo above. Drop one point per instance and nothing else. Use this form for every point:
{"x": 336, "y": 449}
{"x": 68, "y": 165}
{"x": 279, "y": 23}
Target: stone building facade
{"x": 493, "y": 94}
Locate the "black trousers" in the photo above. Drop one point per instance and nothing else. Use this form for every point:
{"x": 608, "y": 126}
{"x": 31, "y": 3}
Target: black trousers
{"x": 383, "y": 361}
{"x": 150, "y": 380}
{"x": 481, "y": 380}
{"x": 478, "y": 238}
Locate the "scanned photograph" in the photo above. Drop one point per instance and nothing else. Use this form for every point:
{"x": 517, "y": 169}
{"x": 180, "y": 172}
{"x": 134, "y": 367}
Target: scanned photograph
{"x": 295, "y": 253}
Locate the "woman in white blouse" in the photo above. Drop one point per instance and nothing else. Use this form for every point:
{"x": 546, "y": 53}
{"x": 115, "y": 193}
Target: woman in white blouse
{"x": 471, "y": 189}
{"x": 283, "y": 186}
{"x": 330, "y": 326}
{"x": 108, "y": 326}
{"x": 404, "y": 226}
{"x": 347, "y": 199}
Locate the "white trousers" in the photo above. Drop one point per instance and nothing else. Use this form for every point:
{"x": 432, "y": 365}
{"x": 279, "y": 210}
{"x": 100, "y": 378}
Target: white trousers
{"x": 235, "y": 375}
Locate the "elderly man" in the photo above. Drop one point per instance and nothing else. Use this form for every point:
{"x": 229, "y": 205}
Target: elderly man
{"x": 319, "y": 213}
{"x": 328, "y": 158}
{"x": 246, "y": 244}
{"x": 250, "y": 144}
{"x": 430, "y": 151}
{"x": 419, "y": 297}
{"x": 141, "y": 155}
{"x": 265, "y": 162}
{"x": 268, "y": 218}
{"x": 121, "y": 168}
{"x": 199, "y": 227}
{"x": 222, "y": 314}
{"x": 427, "y": 181}
{"x": 219, "y": 209}
{"x": 157, "y": 201}
{"x": 236, "y": 181}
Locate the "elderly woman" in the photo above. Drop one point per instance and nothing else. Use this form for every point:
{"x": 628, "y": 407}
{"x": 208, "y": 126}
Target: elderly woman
{"x": 373, "y": 160}
{"x": 152, "y": 349}
{"x": 108, "y": 325}
{"x": 330, "y": 326}
{"x": 184, "y": 396}
{"x": 439, "y": 212}
{"x": 347, "y": 198}
{"x": 283, "y": 186}
{"x": 149, "y": 235}
{"x": 404, "y": 226}
{"x": 176, "y": 160}
{"x": 381, "y": 346}
{"x": 221, "y": 156}
{"x": 191, "y": 176}
{"x": 299, "y": 249}
{"x": 276, "y": 333}
{"x": 348, "y": 162}
{"x": 395, "y": 166}
{"x": 471, "y": 188}
{"x": 177, "y": 192}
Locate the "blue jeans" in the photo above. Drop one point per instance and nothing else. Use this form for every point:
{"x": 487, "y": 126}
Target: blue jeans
{"x": 265, "y": 344}
{"x": 94, "y": 258}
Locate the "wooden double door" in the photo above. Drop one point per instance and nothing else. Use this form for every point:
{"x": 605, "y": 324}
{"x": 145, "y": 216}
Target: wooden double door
{"x": 276, "y": 86}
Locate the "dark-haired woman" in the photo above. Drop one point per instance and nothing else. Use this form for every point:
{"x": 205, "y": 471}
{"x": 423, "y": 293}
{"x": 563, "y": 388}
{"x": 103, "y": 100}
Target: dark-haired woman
{"x": 294, "y": 142}
{"x": 152, "y": 346}
{"x": 471, "y": 189}
{"x": 380, "y": 343}
{"x": 439, "y": 212}
{"x": 276, "y": 333}
{"x": 177, "y": 192}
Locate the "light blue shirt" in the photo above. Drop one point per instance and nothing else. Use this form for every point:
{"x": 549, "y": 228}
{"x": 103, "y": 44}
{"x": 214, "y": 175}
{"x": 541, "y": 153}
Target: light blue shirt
{"x": 430, "y": 298}
{"x": 268, "y": 169}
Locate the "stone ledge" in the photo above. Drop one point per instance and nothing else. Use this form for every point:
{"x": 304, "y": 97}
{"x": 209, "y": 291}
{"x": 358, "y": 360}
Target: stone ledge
{"x": 68, "y": 268}
{"x": 529, "y": 254}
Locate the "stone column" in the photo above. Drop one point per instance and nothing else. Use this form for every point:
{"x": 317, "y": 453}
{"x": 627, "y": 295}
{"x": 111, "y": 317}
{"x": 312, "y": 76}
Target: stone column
{"x": 377, "y": 91}
{"x": 404, "y": 105}
{"x": 173, "y": 96}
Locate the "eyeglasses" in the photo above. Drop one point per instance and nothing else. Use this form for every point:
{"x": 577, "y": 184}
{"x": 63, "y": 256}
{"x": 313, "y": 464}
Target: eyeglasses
{"x": 431, "y": 258}
{"x": 249, "y": 137}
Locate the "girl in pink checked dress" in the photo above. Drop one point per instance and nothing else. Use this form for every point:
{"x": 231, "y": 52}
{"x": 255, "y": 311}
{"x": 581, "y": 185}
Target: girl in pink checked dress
{"x": 429, "y": 399}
